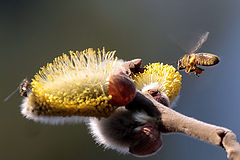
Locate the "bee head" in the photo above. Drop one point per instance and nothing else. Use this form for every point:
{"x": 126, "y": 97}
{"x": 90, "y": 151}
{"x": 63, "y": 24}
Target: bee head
{"x": 179, "y": 63}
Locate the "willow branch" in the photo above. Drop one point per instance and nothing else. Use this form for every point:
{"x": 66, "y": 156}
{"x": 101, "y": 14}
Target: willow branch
{"x": 172, "y": 121}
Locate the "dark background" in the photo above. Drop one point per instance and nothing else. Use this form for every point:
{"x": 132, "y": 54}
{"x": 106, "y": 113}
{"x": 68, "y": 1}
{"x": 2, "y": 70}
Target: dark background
{"x": 32, "y": 33}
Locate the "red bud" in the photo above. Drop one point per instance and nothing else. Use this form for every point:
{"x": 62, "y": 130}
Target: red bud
{"x": 146, "y": 141}
{"x": 122, "y": 89}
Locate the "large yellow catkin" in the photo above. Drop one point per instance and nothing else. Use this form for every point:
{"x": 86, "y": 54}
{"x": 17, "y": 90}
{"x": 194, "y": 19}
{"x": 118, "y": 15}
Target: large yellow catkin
{"x": 74, "y": 85}
{"x": 165, "y": 76}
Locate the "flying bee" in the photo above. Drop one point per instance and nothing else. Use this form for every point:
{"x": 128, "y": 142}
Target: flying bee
{"x": 192, "y": 59}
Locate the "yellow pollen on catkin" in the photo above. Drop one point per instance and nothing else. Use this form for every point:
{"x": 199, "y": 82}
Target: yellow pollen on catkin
{"x": 74, "y": 84}
{"x": 166, "y": 77}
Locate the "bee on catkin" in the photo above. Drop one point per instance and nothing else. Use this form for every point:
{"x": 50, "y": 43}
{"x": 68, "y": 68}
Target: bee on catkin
{"x": 24, "y": 87}
{"x": 81, "y": 84}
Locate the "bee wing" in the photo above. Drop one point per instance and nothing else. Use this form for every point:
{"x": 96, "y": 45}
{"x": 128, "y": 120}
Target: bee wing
{"x": 11, "y": 94}
{"x": 190, "y": 42}
{"x": 202, "y": 39}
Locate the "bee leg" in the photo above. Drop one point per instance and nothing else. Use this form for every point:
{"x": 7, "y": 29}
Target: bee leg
{"x": 188, "y": 69}
{"x": 198, "y": 71}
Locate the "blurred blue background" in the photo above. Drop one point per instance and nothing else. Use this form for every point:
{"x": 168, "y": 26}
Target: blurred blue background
{"x": 32, "y": 33}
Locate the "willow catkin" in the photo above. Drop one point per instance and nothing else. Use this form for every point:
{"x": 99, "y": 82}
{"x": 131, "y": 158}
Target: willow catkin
{"x": 81, "y": 84}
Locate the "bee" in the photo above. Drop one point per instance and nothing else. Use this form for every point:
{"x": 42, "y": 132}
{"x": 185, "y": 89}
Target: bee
{"x": 192, "y": 59}
{"x": 24, "y": 87}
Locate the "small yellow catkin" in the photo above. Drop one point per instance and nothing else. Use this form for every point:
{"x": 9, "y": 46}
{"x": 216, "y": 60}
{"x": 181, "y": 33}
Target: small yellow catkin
{"x": 74, "y": 85}
{"x": 164, "y": 76}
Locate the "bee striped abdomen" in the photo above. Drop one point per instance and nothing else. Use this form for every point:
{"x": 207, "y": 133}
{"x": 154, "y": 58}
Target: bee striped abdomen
{"x": 206, "y": 59}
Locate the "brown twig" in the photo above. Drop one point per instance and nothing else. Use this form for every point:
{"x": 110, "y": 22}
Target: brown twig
{"x": 172, "y": 121}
